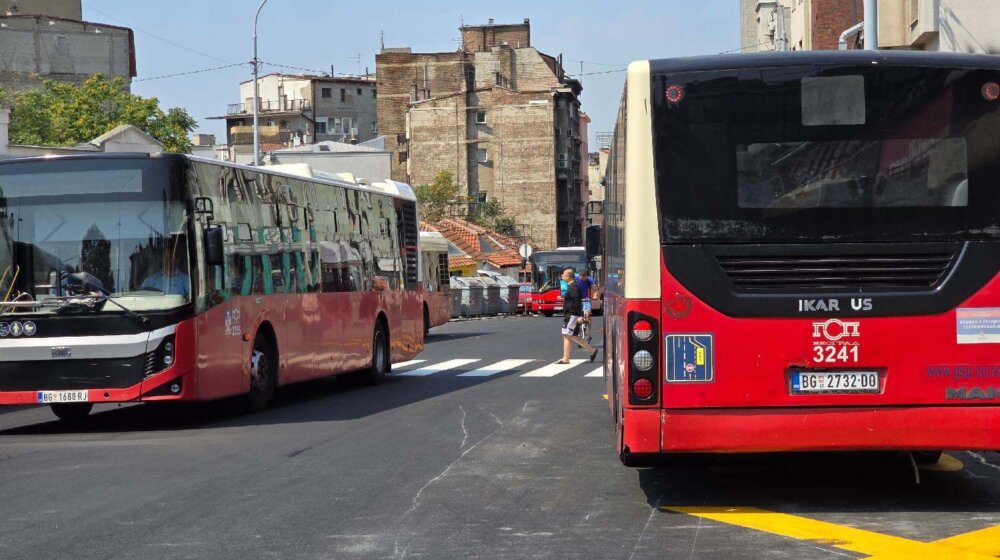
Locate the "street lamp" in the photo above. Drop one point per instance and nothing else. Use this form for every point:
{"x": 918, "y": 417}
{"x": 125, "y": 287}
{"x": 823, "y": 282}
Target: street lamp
{"x": 256, "y": 102}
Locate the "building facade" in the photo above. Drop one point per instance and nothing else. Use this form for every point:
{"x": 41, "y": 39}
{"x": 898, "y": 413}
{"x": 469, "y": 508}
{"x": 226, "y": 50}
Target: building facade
{"x": 966, "y": 26}
{"x": 500, "y": 115}
{"x": 295, "y": 110}
{"x": 46, "y": 40}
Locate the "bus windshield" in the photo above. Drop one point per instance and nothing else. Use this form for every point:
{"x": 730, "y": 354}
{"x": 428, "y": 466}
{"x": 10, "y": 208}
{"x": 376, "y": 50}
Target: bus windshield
{"x": 807, "y": 153}
{"x": 548, "y": 266}
{"x": 82, "y": 234}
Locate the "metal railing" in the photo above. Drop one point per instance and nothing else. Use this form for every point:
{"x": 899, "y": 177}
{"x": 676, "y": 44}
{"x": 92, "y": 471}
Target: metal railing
{"x": 266, "y": 105}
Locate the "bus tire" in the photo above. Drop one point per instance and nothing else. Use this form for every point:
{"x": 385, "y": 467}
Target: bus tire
{"x": 927, "y": 457}
{"x": 263, "y": 372}
{"x": 427, "y": 321}
{"x": 548, "y": 313}
{"x": 72, "y": 412}
{"x": 381, "y": 364}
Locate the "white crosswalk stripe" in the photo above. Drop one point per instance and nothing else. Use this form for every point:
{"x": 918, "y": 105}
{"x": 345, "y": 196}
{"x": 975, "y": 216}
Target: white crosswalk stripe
{"x": 499, "y": 367}
{"x": 554, "y": 369}
{"x": 436, "y": 368}
{"x": 401, "y": 365}
{"x": 599, "y": 372}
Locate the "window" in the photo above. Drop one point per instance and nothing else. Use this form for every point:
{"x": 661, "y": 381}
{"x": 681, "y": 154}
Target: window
{"x": 374, "y": 128}
{"x": 343, "y": 95}
{"x": 338, "y": 126}
{"x": 359, "y": 91}
{"x": 481, "y": 117}
{"x": 321, "y": 126}
{"x": 482, "y": 156}
{"x": 374, "y": 94}
{"x": 327, "y": 93}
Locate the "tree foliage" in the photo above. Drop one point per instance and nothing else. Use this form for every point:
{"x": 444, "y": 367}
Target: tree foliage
{"x": 436, "y": 198}
{"x": 63, "y": 114}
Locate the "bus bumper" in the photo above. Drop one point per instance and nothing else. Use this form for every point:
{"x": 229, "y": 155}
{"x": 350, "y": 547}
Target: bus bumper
{"x": 824, "y": 429}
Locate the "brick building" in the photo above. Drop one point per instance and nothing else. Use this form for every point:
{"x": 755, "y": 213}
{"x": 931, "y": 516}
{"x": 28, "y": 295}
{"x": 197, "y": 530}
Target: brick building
{"x": 500, "y": 115}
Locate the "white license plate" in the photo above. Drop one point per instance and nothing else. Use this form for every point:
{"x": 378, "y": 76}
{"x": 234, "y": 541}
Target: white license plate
{"x": 835, "y": 382}
{"x": 48, "y": 397}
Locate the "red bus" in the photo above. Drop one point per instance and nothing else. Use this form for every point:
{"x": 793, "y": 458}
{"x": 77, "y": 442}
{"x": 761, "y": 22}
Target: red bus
{"x": 801, "y": 253}
{"x": 130, "y": 278}
{"x": 546, "y": 271}
{"x": 435, "y": 279}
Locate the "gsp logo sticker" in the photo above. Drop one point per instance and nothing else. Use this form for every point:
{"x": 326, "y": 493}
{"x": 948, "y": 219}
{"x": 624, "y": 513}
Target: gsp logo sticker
{"x": 835, "y": 329}
{"x": 690, "y": 358}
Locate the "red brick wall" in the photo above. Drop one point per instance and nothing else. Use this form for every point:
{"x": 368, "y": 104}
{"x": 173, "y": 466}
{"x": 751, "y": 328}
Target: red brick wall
{"x": 830, "y": 18}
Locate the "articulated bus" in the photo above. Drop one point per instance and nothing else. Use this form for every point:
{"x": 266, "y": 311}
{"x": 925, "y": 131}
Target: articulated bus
{"x": 435, "y": 279}
{"x": 130, "y": 278}
{"x": 801, "y": 254}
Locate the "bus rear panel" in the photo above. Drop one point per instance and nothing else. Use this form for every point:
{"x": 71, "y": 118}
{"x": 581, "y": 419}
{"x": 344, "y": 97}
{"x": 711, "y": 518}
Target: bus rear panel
{"x": 828, "y": 259}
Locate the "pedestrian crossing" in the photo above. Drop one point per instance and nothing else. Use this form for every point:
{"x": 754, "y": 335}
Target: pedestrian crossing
{"x": 476, "y": 367}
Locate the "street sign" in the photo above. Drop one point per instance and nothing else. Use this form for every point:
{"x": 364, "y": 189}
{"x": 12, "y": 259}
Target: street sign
{"x": 525, "y": 251}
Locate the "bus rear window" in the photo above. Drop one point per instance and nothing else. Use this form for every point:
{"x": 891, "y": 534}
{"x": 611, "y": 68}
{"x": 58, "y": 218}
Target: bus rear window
{"x": 914, "y": 173}
{"x": 826, "y": 152}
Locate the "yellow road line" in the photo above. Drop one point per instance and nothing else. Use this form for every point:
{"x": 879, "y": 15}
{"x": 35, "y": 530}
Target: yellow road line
{"x": 985, "y": 541}
{"x": 830, "y": 534}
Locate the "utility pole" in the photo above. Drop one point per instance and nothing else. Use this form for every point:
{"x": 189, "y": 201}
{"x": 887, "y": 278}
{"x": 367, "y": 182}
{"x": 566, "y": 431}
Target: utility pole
{"x": 256, "y": 101}
{"x": 871, "y": 24}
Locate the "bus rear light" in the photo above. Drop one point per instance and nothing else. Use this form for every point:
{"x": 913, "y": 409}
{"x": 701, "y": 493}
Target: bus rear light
{"x": 642, "y": 388}
{"x": 675, "y": 94}
{"x": 642, "y": 330}
{"x": 642, "y": 360}
{"x": 991, "y": 91}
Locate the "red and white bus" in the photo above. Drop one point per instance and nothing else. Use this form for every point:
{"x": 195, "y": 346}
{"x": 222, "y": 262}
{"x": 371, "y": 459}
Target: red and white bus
{"x": 133, "y": 278}
{"x": 546, "y": 271}
{"x": 435, "y": 279}
{"x": 801, "y": 253}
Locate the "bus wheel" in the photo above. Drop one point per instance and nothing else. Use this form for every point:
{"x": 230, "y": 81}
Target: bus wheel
{"x": 72, "y": 412}
{"x": 380, "y": 355}
{"x": 262, "y": 375}
{"x": 927, "y": 457}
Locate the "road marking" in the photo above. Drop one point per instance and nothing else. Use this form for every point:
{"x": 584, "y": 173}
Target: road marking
{"x": 407, "y": 364}
{"x": 980, "y": 544}
{"x": 599, "y": 372}
{"x": 499, "y": 367}
{"x": 553, "y": 370}
{"x": 437, "y": 368}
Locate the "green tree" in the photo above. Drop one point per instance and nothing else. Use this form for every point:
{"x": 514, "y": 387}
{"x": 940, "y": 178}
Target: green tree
{"x": 435, "y": 198}
{"x": 62, "y": 114}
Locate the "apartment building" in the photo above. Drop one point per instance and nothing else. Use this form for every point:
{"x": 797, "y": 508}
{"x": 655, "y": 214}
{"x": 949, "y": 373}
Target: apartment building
{"x": 501, "y": 116}
{"x": 295, "y": 110}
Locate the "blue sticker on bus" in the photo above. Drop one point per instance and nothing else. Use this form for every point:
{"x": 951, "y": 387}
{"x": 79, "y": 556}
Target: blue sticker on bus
{"x": 690, "y": 358}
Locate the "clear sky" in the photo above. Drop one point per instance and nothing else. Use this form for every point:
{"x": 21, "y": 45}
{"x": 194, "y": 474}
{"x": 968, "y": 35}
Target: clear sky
{"x": 178, "y": 36}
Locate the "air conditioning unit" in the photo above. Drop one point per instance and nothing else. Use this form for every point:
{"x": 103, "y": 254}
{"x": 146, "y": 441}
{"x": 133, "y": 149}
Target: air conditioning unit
{"x": 563, "y": 157}
{"x": 562, "y": 165}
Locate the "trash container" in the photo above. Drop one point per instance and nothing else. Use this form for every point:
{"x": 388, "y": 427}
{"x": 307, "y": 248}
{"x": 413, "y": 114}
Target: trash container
{"x": 509, "y": 289}
{"x": 471, "y": 294}
{"x": 491, "y": 295}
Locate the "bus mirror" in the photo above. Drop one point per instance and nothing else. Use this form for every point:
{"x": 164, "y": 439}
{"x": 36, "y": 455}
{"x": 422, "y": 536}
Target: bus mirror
{"x": 215, "y": 254}
{"x": 593, "y": 241}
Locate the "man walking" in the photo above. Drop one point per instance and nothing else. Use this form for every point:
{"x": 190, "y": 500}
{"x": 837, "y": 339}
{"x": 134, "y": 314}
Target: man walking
{"x": 572, "y": 313}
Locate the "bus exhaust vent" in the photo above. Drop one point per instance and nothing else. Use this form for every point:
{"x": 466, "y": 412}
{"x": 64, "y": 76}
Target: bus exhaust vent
{"x": 793, "y": 273}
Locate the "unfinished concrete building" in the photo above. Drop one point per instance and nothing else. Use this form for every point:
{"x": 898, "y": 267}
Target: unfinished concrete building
{"x": 500, "y": 115}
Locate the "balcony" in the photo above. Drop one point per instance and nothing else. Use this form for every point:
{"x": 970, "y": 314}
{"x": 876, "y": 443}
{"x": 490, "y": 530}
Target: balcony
{"x": 271, "y": 106}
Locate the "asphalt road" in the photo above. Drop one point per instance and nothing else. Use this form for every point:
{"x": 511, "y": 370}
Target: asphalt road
{"x": 436, "y": 464}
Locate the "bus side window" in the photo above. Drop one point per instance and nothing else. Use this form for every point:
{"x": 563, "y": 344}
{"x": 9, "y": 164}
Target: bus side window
{"x": 258, "y": 274}
{"x": 274, "y": 276}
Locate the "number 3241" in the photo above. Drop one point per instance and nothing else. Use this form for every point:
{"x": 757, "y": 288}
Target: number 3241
{"x": 835, "y": 354}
